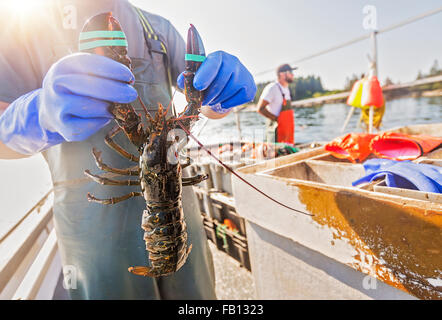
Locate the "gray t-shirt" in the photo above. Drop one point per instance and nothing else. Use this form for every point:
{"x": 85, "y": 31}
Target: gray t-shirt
{"x": 34, "y": 39}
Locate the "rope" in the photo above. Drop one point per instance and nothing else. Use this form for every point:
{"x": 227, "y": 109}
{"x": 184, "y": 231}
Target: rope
{"x": 237, "y": 175}
{"x": 347, "y": 43}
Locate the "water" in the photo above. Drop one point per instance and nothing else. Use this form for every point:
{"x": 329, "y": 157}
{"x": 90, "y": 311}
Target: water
{"x": 324, "y": 123}
{"x": 23, "y": 182}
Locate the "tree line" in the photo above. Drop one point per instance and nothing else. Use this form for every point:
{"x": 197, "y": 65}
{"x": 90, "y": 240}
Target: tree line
{"x": 311, "y": 86}
{"x": 300, "y": 88}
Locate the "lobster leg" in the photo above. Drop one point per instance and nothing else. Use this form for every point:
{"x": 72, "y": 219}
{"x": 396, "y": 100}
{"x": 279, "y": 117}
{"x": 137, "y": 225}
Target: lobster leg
{"x": 194, "y": 180}
{"x": 113, "y": 145}
{"x": 105, "y": 167}
{"x": 186, "y": 164}
{"x": 106, "y": 181}
{"x": 114, "y": 200}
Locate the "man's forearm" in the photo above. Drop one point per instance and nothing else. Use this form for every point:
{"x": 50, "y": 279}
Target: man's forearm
{"x": 3, "y": 106}
{"x": 267, "y": 114}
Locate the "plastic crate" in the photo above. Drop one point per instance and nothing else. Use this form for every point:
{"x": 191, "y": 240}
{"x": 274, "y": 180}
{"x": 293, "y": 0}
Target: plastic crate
{"x": 227, "y": 240}
{"x": 223, "y": 206}
{"x": 205, "y": 203}
{"x": 221, "y": 177}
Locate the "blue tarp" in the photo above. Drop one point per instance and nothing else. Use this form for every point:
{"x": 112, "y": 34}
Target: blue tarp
{"x": 403, "y": 174}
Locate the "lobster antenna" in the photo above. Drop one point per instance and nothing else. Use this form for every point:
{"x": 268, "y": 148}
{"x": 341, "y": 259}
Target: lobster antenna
{"x": 231, "y": 170}
{"x": 171, "y": 102}
{"x": 237, "y": 175}
{"x": 144, "y": 107}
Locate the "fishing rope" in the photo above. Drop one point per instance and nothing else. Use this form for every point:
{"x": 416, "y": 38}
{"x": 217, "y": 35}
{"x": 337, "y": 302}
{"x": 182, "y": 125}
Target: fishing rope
{"x": 227, "y": 167}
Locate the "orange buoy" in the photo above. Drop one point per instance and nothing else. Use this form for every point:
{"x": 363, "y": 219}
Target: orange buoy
{"x": 286, "y": 127}
{"x": 372, "y": 93}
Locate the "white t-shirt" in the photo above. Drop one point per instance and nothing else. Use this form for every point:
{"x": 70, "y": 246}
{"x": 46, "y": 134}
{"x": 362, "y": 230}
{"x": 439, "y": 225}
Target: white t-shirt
{"x": 273, "y": 95}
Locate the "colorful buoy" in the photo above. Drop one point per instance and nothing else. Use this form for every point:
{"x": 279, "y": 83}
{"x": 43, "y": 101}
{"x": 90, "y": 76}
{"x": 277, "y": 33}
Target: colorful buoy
{"x": 354, "y": 99}
{"x": 372, "y": 93}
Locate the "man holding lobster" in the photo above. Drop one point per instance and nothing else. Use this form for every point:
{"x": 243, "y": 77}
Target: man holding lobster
{"x": 56, "y": 102}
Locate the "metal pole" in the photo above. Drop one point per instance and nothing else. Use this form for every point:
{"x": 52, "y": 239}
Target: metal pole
{"x": 238, "y": 123}
{"x": 373, "y": 72}
{"x": 347, "y": 120}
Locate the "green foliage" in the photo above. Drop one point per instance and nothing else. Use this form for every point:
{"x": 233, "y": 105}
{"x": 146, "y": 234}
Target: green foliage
{"x": 434, "y": 71}
{"x": 388, "y": 82}
{"x": 259, "y": 88}
{"x": 305, "y": 87}
{"x": 300, "y": 88}
{"x": 437, "y": 86}
{"x": 349, "y": 82}
{"x": 311, "y": 86}
{"x": 428, "y": 87}
{"x": 326, "y": 93}
{"x": 419, "y": 75}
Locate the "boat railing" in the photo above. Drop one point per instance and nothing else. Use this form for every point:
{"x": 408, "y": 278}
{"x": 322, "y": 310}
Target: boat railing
{"x": 29, "y": 262}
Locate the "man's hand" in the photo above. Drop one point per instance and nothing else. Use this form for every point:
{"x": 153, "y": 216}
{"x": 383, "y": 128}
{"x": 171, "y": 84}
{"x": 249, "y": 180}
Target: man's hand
{"x": 71, "y": 105}
{"x": 226, "y": 81}
{"x": 263, "y": 110}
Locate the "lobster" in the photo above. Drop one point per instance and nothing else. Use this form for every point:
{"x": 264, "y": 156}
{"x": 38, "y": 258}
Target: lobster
{"x": 159, "y": 169}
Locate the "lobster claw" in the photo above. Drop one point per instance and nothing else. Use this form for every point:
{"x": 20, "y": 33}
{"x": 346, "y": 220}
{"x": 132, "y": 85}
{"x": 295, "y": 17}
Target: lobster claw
{"x": 195, "y": 53}
{"x": 102, "y": 34}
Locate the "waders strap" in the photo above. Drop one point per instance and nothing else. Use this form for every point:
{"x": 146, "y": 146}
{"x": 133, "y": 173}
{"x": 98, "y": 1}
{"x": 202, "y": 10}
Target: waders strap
{"x": 154, "y": 44}
{"x": 285, "y": 102}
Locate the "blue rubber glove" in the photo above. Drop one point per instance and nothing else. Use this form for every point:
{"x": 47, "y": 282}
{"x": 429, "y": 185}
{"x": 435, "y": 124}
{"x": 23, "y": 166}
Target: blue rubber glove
{"x": 403, "y": 174}
{"x": 226, "y": 81}
{"x": 71, "y": 105}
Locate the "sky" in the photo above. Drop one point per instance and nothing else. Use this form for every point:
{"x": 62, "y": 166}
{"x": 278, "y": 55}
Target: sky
{"x": 264, "y": 34}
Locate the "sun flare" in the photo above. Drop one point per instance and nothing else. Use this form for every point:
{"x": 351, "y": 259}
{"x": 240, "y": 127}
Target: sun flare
{"x": 23, "y": 6}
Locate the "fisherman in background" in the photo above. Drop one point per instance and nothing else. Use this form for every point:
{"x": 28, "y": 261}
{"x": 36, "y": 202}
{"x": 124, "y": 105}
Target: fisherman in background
{"x": 274, "y": 104}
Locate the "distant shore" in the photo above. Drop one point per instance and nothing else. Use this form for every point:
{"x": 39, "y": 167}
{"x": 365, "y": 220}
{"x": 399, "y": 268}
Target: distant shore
{"x": 414, "y": 90}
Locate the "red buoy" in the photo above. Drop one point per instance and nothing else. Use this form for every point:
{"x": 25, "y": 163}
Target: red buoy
{"x": 372, "y": 93}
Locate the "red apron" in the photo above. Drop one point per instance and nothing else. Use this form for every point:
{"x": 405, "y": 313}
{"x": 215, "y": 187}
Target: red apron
{"x": 286, "y": 123}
